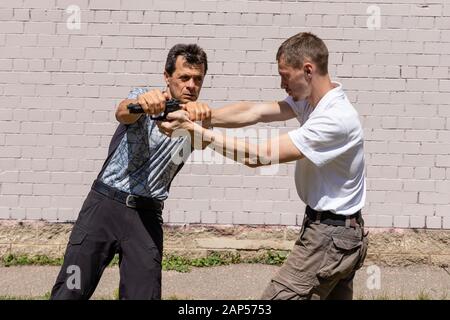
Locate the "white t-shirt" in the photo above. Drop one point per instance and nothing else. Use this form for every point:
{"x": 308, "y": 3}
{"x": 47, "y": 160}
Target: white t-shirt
{"x": 331, "y": 176}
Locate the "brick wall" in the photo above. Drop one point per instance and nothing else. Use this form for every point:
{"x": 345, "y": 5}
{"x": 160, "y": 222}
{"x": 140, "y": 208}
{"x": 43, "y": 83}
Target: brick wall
{"x": 59, "y": 87}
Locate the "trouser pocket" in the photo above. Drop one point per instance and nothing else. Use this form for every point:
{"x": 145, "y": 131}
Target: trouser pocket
{"x": 289, "y": 285}
{"x": 341, "y": 258}
{"x": 78, "y": 235}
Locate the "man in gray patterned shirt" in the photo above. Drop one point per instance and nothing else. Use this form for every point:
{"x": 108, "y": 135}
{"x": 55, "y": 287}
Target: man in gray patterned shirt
{"x": 122, "y": 212}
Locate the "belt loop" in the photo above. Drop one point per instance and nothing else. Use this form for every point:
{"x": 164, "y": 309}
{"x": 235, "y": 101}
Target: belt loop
{"x": 347, "y": 222}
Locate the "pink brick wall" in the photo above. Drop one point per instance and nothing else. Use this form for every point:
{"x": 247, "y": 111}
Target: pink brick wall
{"x": 59, "y": 88}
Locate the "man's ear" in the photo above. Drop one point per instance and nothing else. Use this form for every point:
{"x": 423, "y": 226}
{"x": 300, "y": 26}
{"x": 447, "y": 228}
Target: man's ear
{"x": 166, "y": 78}
{"x": 167, "y": 92}
{"x": 308, "y": 70}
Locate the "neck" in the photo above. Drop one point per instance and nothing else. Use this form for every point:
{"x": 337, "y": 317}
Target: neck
{"x": 319, "y": 87}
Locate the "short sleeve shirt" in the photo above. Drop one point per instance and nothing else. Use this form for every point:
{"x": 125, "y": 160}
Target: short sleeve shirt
{"x": 331, "y": 176}
{"x": 143, "y": 161}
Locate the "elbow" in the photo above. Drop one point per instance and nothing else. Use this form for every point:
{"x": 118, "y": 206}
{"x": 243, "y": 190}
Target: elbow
{"x": 120, "y": 117}
{"x": 119, "y": 112}
{"x": 122, "y": 114}
{"x": 117, "y": 115}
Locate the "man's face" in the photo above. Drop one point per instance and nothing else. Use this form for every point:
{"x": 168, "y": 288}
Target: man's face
{"x": 293, "y": 81}
{"x": 186, "y": 81}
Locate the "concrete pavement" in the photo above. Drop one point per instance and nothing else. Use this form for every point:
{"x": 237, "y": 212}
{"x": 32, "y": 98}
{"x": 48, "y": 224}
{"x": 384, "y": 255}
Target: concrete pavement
{"x": 239, "y": 281}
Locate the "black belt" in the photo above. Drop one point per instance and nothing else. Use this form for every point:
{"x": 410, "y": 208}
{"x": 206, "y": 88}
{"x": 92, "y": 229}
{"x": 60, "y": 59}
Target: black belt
{"x": 130, "y": 200}
{"x": 330, "y": 218}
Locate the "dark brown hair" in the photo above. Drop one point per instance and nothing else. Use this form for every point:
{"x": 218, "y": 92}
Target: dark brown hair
{"x": 304, "y": 45}
{"x": 191, "y": 52}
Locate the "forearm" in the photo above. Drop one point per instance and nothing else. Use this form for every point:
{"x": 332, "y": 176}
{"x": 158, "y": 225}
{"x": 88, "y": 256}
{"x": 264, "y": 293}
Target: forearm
{"x": 236, "y": 115}
{"x": 240, "y": 150}
{"x": 123, "y": 115}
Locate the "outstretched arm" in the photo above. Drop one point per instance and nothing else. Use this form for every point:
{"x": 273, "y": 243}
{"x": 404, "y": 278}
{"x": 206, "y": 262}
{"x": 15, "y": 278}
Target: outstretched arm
{"x": 243, "y": 114}
{"x": 277, "y": 150}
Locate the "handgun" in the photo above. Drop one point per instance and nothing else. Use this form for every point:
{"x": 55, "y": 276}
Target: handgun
{"x": 171, "y": 106}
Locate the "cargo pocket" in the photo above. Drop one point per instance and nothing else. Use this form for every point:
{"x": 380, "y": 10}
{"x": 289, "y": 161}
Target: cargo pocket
{"x": 290, "y": 285}
{"x": 78, "y": 235}
{"x": 341, "y": 257}
{"x": 278, "y": 291}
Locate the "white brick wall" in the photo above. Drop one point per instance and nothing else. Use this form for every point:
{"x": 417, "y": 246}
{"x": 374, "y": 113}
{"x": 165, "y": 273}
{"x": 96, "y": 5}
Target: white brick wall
{"x": 59, "y": 88}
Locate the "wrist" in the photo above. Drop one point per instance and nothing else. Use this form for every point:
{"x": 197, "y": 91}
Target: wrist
{"x": 190, "y": 126}
{"x": 206, "y": 134}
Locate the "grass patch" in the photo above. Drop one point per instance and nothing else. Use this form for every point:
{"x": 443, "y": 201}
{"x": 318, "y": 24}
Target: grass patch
{"x": 114, "y": 261}
{"x": 423, "y": 295}
{"x": 25, "y": 260}
{"x": 381, "y": 296}
{"x": 216, "y": 258}
{"x": 175, "y": 262}
{"x": 116, "y": 294}
{"x": 274, "y": 257}
{"x": 14, "y": 298}
{"x": 184, "y": 264}
{"x": 46, "y": 296}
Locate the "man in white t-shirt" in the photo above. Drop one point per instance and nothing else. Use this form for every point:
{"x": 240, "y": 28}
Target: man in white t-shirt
{"x": 328, "y": 149}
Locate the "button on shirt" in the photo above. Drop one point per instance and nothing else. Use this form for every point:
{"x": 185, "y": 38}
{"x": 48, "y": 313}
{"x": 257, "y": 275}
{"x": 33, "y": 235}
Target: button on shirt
{"x": 331, "y": 176}
{"x": 143, "y": 161}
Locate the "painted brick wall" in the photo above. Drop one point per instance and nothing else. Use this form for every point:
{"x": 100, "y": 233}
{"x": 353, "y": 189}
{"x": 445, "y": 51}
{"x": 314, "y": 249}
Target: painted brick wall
{"x": 59, "y": 87}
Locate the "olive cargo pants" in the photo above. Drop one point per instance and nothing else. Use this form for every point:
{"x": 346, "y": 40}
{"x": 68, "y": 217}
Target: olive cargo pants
{"x": 322, "y": 263}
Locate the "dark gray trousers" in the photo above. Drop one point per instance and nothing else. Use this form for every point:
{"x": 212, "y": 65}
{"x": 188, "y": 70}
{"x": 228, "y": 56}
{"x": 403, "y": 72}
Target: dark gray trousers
{"x": 105, "y": 227}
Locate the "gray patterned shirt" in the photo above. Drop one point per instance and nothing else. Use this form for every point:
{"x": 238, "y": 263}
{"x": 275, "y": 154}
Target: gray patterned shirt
{"x": 145, "y": 161}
